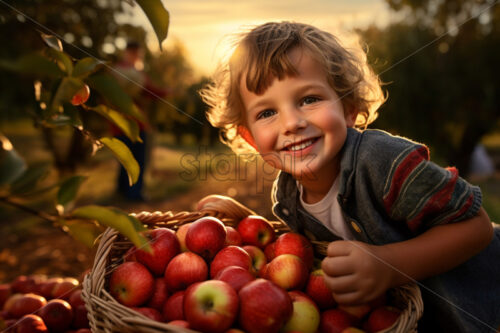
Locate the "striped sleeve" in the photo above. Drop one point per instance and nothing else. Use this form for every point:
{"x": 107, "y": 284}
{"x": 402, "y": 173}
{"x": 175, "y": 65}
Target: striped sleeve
{"x": 424, "y": 194}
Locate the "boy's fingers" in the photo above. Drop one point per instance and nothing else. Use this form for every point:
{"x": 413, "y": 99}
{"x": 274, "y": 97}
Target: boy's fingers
{"x": 340, "y": 285}
{"x": 338, "y": 248}
{"x": 337, "y": 266}
{"x": 352, "y": 298}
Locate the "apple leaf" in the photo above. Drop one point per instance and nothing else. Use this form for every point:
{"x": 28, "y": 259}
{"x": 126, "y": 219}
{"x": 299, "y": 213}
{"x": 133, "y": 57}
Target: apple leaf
{"x": 35, "y": 64}
{"x": 68, "y": 190}
{"x": 123, "y": 154}
{"x": 127, "y": 125}
{"x": 52, "y": 41}
{"x": 81, "y": 230}
{"x": 62, "y": 60}
{"x": 86, "y": 66}
{"x": 109, "y": 88}
{"x": 158, "y": 16}
{"x": 112, "y": 217}
{"x": 12, "y": 166}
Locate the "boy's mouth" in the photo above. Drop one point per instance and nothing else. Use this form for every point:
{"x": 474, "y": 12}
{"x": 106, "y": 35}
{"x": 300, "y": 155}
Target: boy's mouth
{"x": 300, "y": 145}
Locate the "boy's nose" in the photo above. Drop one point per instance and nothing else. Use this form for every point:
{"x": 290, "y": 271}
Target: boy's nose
{"x": 292, "y": 120}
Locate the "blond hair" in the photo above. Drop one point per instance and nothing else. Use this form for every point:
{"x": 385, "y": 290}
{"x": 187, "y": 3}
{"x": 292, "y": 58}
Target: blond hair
{"x": 262, "y": 54}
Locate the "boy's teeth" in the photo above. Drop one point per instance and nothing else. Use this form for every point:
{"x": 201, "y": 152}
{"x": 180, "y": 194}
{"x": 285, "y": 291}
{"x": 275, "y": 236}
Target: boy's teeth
{"x": 301, "y": 145}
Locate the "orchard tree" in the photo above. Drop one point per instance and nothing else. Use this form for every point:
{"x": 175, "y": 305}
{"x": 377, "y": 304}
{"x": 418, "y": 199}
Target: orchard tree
{"x": 441, "y": 67}
{"x": 61, "y": 84}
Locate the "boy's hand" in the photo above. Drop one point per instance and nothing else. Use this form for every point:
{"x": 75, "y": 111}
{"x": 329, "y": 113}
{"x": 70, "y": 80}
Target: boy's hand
{"x": 356, "y": 272}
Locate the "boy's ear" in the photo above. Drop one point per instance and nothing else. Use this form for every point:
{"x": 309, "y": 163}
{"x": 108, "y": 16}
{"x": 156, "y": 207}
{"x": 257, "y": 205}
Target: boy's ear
{"x": 350, "y": 117}
{"x": 246, "y": 135}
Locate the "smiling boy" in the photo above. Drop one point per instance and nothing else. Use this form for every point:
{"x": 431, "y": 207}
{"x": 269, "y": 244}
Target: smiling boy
{"x": 295, "y": 95}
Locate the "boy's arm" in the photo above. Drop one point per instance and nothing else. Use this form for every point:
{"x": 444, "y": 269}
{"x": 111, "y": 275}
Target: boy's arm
{"x": 357, "y": 272}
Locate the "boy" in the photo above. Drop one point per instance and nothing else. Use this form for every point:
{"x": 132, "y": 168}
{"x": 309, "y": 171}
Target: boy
{"x": 295, "y": 95}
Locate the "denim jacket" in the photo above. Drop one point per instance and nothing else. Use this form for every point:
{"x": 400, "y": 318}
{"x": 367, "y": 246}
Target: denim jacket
{"x": 464, "y": 299}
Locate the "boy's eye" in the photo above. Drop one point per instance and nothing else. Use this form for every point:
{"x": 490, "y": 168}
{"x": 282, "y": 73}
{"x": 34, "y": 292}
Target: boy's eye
{"x": 265, "y": 114}
{"x": 309, "y": 100}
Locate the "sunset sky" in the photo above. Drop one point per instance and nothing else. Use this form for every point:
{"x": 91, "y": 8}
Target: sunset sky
{"x": 205, "y": 26}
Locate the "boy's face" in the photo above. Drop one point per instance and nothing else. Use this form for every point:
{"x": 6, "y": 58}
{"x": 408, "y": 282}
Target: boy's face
{"x": 298, "y": 124}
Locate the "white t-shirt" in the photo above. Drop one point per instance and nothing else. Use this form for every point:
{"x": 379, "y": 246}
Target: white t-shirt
{"x": 328, "y": 211}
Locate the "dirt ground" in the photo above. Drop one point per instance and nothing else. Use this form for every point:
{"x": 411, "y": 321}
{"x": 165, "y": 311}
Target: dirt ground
{"x": 44, "y": 249}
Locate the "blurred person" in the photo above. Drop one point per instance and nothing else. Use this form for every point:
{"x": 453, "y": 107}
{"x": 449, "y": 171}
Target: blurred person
{"x": 129, "y": 72}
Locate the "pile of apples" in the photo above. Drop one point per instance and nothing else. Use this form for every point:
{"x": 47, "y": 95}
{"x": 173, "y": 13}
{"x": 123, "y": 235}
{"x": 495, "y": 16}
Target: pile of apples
{"x": 210, "y": 277}
{"x": 38, "y": 304}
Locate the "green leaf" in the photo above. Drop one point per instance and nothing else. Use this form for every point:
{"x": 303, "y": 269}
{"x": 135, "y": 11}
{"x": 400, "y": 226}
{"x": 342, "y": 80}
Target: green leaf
{"x": 69, "y": 188}
{"x": 86, "y": 66}
{"x": 12, "y": 166}
{"x": 35, "y": 64}
{"x": 52, "y": 41}
{"x": 81, "y": 230}
{"x": 109, "y": 88}
{"x": 67, "y": 88}
{"x": 112, "y": 217}
{"x": 62, "y": 60}
{"x": 127, "y": 125}
{"x": 123, "y": 154}
{"x": 158, "y": 16}
{"x": 29, "y": 179}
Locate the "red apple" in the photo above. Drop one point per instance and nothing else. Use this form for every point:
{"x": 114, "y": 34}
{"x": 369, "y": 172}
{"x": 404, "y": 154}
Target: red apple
{"x": 256, "y": 230}
{"x": 236, "y": 276}
{"x": 269, "y": 251}
{"x": 75, "y": 298}
{"x": 149, "y": 312}
{"x": 264, "y": 307}
{"x": 263, "y": 271}
{"x": 83, "y": 330}
{"x": 353, "y": 330}
{"x": 80, "y": 319}
{"x": 31, "y": 323}
{"x": 131, "y": 283}
{"x": 47, "y": 286}
{"x": 27, "y": 303}
{"x": 232, "y": 237}
{"x": 81, "y": 96}
{"x": 206, "y": 236}
{"x": 57, "y": 314}
{"x": 181, "y": 236}
{"x": 185, "y": 269}
{"x": 164, "y": 246}
{"x": 160, "y": 294}
{"x": 258, "y": 258}
{"x": 234, "y": 330}
{"x": 335, "y": 321}
{"x": 130, "y": 254}
{"x": 210, "y": 306}
{"x": 357, "y": 311}
{"x": 382, "y": 318}
{"x": 293, "y": 243}
{"x": 317, "y": 289}
{"x": 7, "y": 306}
{"x": 179, "y": 323}
{"x": 23, "y": 284}
{"x": 288, "y": 271}
{"x": 306, "y": 315}
{"x": 230, "y": 256}
{"x": 173, "y": 308}
{"x": 64, "y": 288}
{"x": 5, "y": 293}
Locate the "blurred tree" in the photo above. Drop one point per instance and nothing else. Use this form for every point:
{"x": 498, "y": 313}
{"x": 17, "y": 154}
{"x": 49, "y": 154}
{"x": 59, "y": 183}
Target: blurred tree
{"x": 87, "y": 28}
{"x": 441, "y": 65}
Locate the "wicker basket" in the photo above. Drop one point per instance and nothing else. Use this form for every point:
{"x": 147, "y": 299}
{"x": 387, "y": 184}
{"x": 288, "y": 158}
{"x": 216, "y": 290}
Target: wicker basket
{"x": 105, "y": 314}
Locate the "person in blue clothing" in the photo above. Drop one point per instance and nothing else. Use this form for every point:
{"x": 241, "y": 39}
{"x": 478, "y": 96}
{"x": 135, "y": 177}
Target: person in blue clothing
{"x": 302, "y": 100}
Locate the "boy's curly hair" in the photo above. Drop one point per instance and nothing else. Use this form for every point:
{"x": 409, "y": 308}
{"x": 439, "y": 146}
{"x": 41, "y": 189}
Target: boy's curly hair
{"x": 262, "y": 54}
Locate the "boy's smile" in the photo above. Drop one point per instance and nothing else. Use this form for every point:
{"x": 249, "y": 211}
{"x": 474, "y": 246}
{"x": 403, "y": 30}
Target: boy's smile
{"x": 299, "y": 124}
